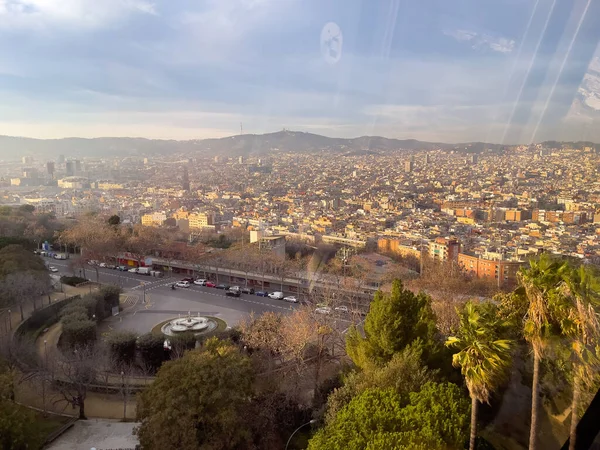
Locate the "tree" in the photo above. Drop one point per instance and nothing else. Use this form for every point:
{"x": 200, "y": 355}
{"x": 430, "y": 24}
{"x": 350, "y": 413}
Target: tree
{"x": 78, "y": 369}
{"x": 198, "y": 401}
{"x": 114, "y": 220}
{"x": 405, "y": 373}
{"x": 539, "y": 281}
{"x": 18, "y": 428}
{"x": 436, "y": 417}
{"x": 394, "y": 321}
{"x": 580, "y": 324}
{"x": 97, "y": 240}
{"x": 142, "y": 241}
{"x": 483, "y": 356}
{"x": 23, "y": 287}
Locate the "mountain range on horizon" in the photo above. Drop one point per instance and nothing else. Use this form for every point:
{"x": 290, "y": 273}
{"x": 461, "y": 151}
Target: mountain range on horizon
{"x": 237, "y": 145}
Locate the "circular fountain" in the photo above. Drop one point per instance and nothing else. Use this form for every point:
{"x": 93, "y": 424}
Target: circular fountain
{"x": 190, "y": 323}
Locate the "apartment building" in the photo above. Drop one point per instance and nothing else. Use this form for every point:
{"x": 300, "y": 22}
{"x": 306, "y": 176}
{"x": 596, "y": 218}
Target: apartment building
{"x": 444, "y": 249}
{"x": 155, "y": 219}
{"x": 502, "y": 270}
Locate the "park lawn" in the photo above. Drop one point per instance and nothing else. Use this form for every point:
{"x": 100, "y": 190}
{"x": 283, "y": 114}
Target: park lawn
{"x": 51, "y": 423}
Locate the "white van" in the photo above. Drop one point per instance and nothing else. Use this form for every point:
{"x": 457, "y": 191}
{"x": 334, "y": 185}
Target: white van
{"x": 144, "y": 270}
{"x": 276, "y": 295}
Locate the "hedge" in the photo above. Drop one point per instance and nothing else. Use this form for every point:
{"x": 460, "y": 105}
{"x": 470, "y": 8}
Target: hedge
{"x": 122, "y": 347}
{"x": 72, "y": 281}
{"x": 74, "y": 317}
{"x": 43, "y": 318}
{"x": 78, "y": 333}
{"x": 152, "y": 352}
{"x": 107, "y": 299}
{"x": 183, "y": 341}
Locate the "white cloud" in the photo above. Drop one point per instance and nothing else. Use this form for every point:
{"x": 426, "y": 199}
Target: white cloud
{"x": 18, "y": 14}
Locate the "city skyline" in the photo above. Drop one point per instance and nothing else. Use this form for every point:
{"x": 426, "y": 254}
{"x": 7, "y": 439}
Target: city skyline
{"x": 511, "y": 72}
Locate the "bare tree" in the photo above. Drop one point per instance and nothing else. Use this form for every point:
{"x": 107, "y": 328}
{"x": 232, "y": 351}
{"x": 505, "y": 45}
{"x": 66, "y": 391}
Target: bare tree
{"x": 23, "y": 287}
{"x": 14, "y": 355}
{"x": 75, "y": 372}
{"x": 97, "y": 240}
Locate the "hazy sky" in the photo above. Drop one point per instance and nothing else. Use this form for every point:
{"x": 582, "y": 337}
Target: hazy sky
{"x": 443, "y": 70}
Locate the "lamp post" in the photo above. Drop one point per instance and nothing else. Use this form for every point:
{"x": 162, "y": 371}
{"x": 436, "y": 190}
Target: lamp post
{"x": 124, "y": 396}
{"x": 10, "y": 319}
{"x": 301, "y": 426}
{"x": 44, "y": 377}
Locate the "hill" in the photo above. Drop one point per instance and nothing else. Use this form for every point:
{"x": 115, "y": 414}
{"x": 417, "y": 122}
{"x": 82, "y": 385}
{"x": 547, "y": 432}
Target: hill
{"x": 247, "y": 144}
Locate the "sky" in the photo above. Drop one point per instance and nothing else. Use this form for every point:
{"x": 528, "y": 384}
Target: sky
{"x": 504, "y": 71}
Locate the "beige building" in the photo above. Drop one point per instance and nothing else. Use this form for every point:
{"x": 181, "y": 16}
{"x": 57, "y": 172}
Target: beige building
{"x": 155, "y": 219}
{"x": 201, "y": 220}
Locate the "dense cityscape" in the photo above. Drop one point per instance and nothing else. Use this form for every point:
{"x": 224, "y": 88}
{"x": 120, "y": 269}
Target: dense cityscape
{"x": 487, "y": 210}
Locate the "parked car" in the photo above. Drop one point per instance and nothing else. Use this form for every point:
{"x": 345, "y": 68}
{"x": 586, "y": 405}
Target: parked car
{"x": 342, "y": 308}
{"x": 103, "y": 265}
{"x": 323, "y": 310}
{"x": 291, "y": 299}
{"x": 210, "y": 284}
{"x": 247, "y": 290}
{"x": 183, "y": 284}
{"x": 200, "y": 282}
{"x": 188, "y": 279}
{"x": 232, "y": 293}
{"x": 111, "y": 266}
{"x": 144, "y": 270}
{"x": 235, "y": 288}
{"x": 122, "y": 268}
{"x": 92, "y": 262}
{"x": 52, "y": 269}
{"x": 276, "y": 295}
{"x": 133, "y": 270}
{"x": 262, "y": 293}
{"x": 222, "y": 286}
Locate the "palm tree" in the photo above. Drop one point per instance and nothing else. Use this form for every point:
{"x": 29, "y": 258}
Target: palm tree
{"x": 540, "y": 281}
{"x": 580, "y": 324}
{"x": 483, "y": 358}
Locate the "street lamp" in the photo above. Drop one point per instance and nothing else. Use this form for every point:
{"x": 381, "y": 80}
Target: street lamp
{"x": 10, "y": 319}
{"x": 44, "y": 377}
{"x": 124, "y": 396}
{"x": 301, "y": 426}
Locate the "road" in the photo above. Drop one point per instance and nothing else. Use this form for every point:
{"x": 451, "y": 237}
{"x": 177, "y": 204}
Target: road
{"x": 106, "y": 276}
{"x": 162, "y": 302}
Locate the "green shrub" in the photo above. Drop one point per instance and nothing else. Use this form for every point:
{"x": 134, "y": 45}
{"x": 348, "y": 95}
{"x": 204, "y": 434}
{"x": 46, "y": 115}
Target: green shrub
{"x": 122, "y": 346}
{"x": 107, "y": 299}
{"x": 74, "y": 308}
{"x": 76, "y": 316}
{"x": 72, "y": 281}
{"x": 152, "y": 352}
{"x": 90, "y": 303}
{"x": 78, "y": 333}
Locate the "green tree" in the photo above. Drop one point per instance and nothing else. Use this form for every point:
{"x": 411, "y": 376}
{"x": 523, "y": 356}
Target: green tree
{"x": 114, "y": 220}
{"x": 405, "y": 373}
{"x": 434, "y": 418}
{"x": 484, "y": 358}
{"x": 198, "y": 401}
{"x": 540, "y": 282}
{"x": 394, "y": 321}
{"x": 579, "y": 322}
